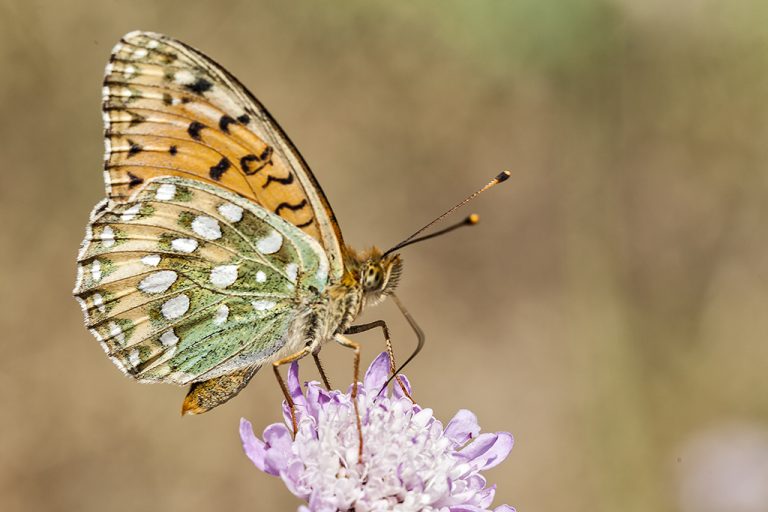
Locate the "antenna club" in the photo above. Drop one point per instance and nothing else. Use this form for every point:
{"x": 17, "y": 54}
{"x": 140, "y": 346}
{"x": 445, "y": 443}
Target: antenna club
{"x": 469, "y": 221}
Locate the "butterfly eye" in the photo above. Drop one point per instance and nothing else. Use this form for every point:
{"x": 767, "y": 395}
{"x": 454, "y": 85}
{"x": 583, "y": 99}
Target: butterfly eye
{"x": 372, "y": 278}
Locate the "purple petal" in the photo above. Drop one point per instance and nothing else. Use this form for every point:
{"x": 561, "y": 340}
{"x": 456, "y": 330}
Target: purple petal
{"x": 287, "y": 415}
{"x": 377, "y": 374}
{"x": 294, "y": 387}
{"x": 278, "y": 440}
{"x": 462, "y": 427}
{"x": 397, "y": 391}
{"x": 302, "y": 508}
{"x": 292, "y": 479}
{"x": 253, "y": 446}
{"x": 485, "y": 496}
{"x": 476, "y": 482}
{"x": 504, "y": 508}
{"x": 488, "y": 450}
{"x": 313, "y": 399}
{"x": 466, "y": 508}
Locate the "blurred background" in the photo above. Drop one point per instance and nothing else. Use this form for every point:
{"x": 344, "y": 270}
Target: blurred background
{"x": 609, "y": 309}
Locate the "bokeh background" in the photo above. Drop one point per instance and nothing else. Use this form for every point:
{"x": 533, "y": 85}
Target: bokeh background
{"x": 609, "y": 309}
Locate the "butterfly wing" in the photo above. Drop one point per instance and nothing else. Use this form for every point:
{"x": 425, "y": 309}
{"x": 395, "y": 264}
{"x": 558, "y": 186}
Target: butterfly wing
{"x": 170, "y": 110}
{"x": 185, "y": 282}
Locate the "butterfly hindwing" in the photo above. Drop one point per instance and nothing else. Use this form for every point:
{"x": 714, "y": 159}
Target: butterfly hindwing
{"x": 185, "y": 282}
{"x": 170, "y": 110}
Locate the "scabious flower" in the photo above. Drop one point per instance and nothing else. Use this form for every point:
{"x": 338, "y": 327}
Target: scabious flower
{"x": 410, "y": 461}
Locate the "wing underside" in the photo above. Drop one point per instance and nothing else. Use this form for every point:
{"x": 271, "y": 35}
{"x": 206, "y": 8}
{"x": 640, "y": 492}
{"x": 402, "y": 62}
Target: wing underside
{"x": 185, "y": 282}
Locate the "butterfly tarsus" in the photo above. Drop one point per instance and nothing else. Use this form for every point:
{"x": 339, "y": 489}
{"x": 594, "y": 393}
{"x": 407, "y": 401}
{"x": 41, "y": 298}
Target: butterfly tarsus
{"x": 346, "y": 342}
{"x": 276, "y": 367}
{"x": 392, "y": 367}
{"x": 320, "y": 369}
{"x": 420, "y": 338}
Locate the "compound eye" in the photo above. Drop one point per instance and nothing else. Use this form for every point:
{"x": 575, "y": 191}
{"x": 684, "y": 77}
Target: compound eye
{"x": 372, "y": 278}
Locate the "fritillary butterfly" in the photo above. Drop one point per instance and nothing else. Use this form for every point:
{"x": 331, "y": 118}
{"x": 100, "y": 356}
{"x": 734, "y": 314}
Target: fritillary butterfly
{"x": 216, "y": 251}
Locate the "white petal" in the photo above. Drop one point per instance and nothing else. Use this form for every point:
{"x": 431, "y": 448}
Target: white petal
{"x": 261, "y": 277}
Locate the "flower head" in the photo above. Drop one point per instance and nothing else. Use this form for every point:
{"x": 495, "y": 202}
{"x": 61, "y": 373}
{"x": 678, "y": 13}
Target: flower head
{"x": 410, "y": 461}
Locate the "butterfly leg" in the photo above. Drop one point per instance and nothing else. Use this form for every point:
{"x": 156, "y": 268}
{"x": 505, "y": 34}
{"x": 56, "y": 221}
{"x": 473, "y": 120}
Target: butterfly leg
{"x": 346, "y": 342}
{"x": 275, "y": 366}
{"x": 316, "y": 357}
{"x": 354, "y": 329}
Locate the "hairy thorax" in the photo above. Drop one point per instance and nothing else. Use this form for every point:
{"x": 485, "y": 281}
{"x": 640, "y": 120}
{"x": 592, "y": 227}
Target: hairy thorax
{"x": 341, "y": 303}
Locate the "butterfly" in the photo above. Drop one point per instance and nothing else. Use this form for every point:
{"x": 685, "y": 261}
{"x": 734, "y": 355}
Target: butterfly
{"x": 216, "y": 251}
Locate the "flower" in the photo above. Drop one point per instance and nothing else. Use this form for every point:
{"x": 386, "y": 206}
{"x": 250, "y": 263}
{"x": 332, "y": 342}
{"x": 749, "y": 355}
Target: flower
{"x": 410, "y": 461}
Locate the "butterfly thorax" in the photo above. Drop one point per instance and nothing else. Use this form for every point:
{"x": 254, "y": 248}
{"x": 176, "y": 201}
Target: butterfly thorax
{"x": 369, "y": 276}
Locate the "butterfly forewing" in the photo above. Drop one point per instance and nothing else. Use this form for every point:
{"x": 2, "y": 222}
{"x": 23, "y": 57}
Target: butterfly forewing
{"x": 170, "y": 110}
{"x": 185, "y": 281}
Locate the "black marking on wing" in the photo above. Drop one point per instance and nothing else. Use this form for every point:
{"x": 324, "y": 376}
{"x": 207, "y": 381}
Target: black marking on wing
{"x": 135, "y": 118}
{"x": 224, "y": 123}
{"x": 199, "y": 86}
{"x": 305, "y": 224}
{"x": 220, "y": 168}
{"x": 135, "y": 180}
{"x": 167, "y": 98}
{"x": 167, "y": 57}
{"x": 134, "y": 149}
{"x": 173, "y": 150}
{"x": 266, "y": 154}
{"x": 194, "y": 129}
{"x": 244, "y": 119}
{"x": 282, "y": 181}
{"x": 292, "y": 207}
{"x": 247, "y": 160}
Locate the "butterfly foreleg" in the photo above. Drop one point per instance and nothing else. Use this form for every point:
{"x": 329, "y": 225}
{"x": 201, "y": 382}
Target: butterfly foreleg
{"x": 275, "y": 366}
{"x": 320, "y": 369}
{"x": 346, "y": 342}
{"x": 354, "y": 329}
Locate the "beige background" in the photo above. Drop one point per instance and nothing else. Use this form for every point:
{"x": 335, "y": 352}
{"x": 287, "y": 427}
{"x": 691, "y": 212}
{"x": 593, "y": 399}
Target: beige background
{"x": 609, "y": 310}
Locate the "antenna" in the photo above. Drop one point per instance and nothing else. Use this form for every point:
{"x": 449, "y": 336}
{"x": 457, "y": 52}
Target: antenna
{"x": 472, "y": 219}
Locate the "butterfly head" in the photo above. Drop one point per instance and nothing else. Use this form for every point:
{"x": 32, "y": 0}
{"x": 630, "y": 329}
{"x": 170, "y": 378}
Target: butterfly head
{"x": 376, "y": 273}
